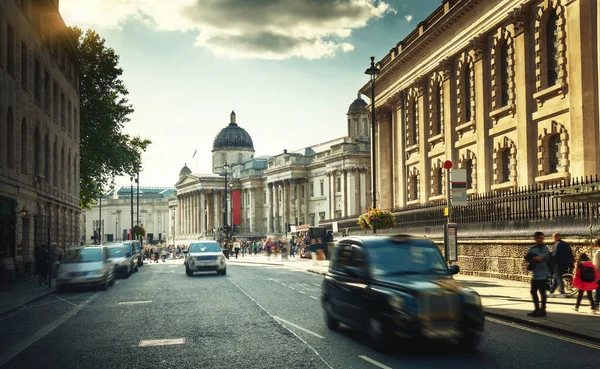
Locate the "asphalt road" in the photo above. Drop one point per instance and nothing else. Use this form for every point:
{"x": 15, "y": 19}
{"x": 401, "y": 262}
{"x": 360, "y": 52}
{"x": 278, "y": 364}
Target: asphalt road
{"x": 255, "y": 317}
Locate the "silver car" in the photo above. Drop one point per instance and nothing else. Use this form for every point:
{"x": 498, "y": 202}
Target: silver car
{"x": 89, "y": 266}
{"x": 122, "y": 260}
{"x": 204, "y": 256}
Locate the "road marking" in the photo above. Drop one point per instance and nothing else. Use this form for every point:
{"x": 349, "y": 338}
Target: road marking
{"x": 68, "y": 302}
{"x": 173, "y": 266}
{"x": 299, "y": 327}
{"x": 274, "y": 318}
{"x": 316, "y": 284}
{"x": 291, "y": 288}
{"x": 302, "y": 292}
{"x": 374, "y": 362}
{"x": 313, "y": 297}
{"x": 7, "y": 355}
{"x": 134, "y": 302}
{"x": 167, "y": 342}
{"x": 523, "y": 328}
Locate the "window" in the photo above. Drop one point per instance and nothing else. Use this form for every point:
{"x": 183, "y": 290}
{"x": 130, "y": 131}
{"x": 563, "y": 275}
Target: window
{"x": 322, "y": 215}
{"x": 10, "y": 139}
{"x": 338, "y": 184}
{"x": 302, "y": 191}
{"x": 69, "y": 168}
{"x": 469, "y": 170}
{"x": 312, "y": 219}
{"x": 63, "y": 167}
{"x": 414, "y": 138}
{"x": 505, "y": 166}
{"x": 55, "y": 164}
{"x": 467, "y": 102}
{"x": 37, "y": 152}
{"x": 24, "y": 66}
{"x": 437, "y": 127}
{"x": 414, "y": 188}
{"x": 24, "y": 149}
{"x": 504, "y": 77}
{"x": 10, "y": 49}
{"x": 322, "y": 185}
{"x": 47, "y": 97}
{"x": 56, "y": 100}
{"x": 338, "y": 214}
{"x": 47, "y": 159}
{"x": 554, "y": 154}
{"x": 37, "y": 81}
{"x": 438, "y": 181}
{"x": 552, "y": 48}
{"x": 63, "y": 111}
{"x": 69, "y": 119}
{"x": 312, "y": 189}
{"x": 342, "y": 257}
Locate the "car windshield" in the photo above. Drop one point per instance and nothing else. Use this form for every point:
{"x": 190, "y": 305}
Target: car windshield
{"x": 205, "y": 247}
{"x": 128, "y": 247}
{"x": 84, "y": 255}
{"x": 116, "y": 251}
{"x": 418, "y": 257}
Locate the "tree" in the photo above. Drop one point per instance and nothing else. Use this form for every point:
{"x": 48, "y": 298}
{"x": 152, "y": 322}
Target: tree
{"x": 105, "y": 151}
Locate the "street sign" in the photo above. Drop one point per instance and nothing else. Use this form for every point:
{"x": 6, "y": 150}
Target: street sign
{"x": 451, "y": 242}
{"x": 335, "y": 227}
{"x": 459, "y": 187}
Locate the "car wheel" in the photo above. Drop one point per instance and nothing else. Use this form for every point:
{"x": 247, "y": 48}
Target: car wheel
{"x": 136, "y": 268}
{"x": 469, "y": 340}
{"x": 378, "y": 338}
{"x": 104, "y": 285}
{"x": 330, "y": 321}
{"x": 224, "y": 272}
{"x": 188, "y": 272}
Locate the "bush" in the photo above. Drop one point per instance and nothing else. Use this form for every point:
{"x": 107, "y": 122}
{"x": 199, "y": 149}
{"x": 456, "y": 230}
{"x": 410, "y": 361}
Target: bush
{"x": 375, "y": 219}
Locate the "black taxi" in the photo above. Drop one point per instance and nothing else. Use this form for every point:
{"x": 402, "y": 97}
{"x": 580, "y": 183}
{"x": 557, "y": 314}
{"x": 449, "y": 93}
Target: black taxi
{"x": 399, "y": 286}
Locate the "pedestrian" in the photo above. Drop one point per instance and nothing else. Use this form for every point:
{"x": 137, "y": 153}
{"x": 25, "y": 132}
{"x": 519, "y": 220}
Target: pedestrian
{"x": 537, "y": 257}
{"x": 562, "y": 258}
{"x": 597, "y": 265}
{"x": 255, "y": 248}
{"x": 42, "y": 259}
{"x": 313, "y": 250}
{"x": 585, "y": 280}
{"x": 236, "y": 247}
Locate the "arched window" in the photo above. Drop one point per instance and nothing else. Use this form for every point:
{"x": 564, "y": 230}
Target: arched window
{"x": 552, "y": 47}
{"x": 55, "y": 163}
{"x": 438, "y": 181}
{"x": 438, "y": 110}
{"x": 10, "y": 139}
{"x": 47, "y": 159}
{"x": 467, "y": 102}
{"x": 69, "y": 169}
{"x": 75, "y": 174}
{"x": 504, "y": 76}
{"x": 24, "y": 148}
{"x": 414, "y": 187}
{"x": 37, "y": 152}
{"x": 414, "y": 138}
{"x": 554, "y": 154}
{"x": 469, "y": 170}
{"x": 505, "y": 165}
{"x": 63, "y": 168}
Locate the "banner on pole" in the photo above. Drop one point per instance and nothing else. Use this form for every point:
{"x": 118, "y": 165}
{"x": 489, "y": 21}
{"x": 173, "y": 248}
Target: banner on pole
{"x": 237, "y": 207}
{"x": 459, "y": 187}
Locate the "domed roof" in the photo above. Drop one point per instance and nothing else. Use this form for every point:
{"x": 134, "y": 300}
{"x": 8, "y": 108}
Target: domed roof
{"x": 358, "y": 106}
{"x": 185, "y": 171}
{"x": 233, "y": 137}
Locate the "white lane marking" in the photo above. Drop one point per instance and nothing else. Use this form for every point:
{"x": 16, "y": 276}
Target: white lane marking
{"x": 283, "y": 284}
{"x": 67, "y": 301}
{"x": 315, "y": 284}
{"x": 173, "y": 266}
{"x": 313, "y": 297}
{"x": 523, "y": 328}
{"x": 166, "y": 342}
{"x": 13, "y": 351}
{"x": 291, "y": 288}
{"x": 299, "y": 327}
{"x": 302, "y": 292}
{"x": 134, "y": 302}
{"x": 289, "y": 330}
{"x": 374, "y": 362}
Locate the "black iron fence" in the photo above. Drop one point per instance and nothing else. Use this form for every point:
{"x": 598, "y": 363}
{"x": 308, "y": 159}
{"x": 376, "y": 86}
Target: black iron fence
{"x": 528, "y": 207}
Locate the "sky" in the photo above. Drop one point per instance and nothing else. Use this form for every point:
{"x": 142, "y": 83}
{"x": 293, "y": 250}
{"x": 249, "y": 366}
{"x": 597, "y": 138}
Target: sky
{"x": 288, "y": 68}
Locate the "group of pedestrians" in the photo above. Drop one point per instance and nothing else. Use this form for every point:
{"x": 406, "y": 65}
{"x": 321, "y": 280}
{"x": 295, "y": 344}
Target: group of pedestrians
{"x": 541, "y": 262}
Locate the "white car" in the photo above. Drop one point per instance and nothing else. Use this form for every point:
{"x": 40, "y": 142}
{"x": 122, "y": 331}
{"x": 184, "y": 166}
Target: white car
{"x": 204, "y": 256}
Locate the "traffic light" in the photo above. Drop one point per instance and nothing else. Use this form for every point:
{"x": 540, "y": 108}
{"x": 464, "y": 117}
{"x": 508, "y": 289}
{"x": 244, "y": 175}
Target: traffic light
{"x": 235, "y": 228}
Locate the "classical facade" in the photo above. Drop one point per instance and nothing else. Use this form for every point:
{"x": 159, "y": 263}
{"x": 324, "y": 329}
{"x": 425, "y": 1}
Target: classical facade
{"x": 506, "y": 89}
{"x": 39, "y": 128}
{"x": 111, "y": 219}
{"x": 265, "y": 195}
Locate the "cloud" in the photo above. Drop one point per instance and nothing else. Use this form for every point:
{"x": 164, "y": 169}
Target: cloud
{"x": 408, "y": 18}
{"x": 265, "y": 29}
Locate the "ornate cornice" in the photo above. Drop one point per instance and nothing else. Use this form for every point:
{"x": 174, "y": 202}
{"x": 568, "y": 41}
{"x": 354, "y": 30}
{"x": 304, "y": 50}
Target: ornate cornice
{"x": 477, "y": 44}
{"x": 446, "y": 68}
{"x": 518, "y": 17}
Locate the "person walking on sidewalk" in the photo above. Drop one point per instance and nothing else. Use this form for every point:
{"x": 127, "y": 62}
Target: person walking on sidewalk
{"x": 597, "y": 265}
{"x": 562, "y": 257}
{"x": 537, "y": 257}
{"x": 585, "y": 280}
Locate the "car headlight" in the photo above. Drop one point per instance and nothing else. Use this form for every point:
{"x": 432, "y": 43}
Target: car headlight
{"x": 396, "y": 302}
{"x": 472, "y": 297}
{"x": 221, "y": 259}
{"x": 97, "y": 272}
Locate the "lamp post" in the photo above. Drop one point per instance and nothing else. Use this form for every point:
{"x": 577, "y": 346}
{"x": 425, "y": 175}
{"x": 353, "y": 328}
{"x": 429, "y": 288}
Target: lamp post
{"x": 137, "y": 181}
{"x": 230, "y": 184}
{"x": 373, "y": 71}
{"x": 225, "y": 168}
{"x": 131, "y": 200}
{"x": 100, "y": 221}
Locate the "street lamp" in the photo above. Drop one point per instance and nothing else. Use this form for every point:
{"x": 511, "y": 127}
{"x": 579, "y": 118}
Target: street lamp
{"x": 137, "y": 181}
{"x": 230, "y": 184}
{"x": 225, "y": 168}
{"x": 131, "y": 201}
{"x": 373, "y": 71}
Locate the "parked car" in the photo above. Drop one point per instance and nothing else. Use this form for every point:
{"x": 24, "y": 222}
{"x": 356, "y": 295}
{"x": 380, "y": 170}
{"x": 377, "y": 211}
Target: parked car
{"x": 138, "y": 253}
{"x": 399, "y": 286}
{"x": 124, "y": 263}
{"x": 204, "y": 256}
{"x": 130, "y": 247}
{"x": 85, "y": 266}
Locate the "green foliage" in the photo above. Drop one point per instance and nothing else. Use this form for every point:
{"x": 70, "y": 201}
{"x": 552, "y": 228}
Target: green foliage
{"x": 106, "y": 152}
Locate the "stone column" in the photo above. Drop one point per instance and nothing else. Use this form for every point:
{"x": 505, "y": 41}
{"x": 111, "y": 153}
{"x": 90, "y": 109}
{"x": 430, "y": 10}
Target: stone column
{"x": 366, "y": 183}
{"x": 216, "y": 209}
{"x": 306, "y": 219}
{"x": 276, "y": 221}
{"x": 251, "y": 208}
{"x": 357, "y": 191}
{"x": 400, "y": 144}
{"x": 298, "y": 202}
{"x": 344, "y": 193}
{"x": 203, "y": 226}
{"x": 424, "y": 164}
{"x": 481, "y": 115}
{"x": 332, "y": 193}
{"x": 269, "y": 208}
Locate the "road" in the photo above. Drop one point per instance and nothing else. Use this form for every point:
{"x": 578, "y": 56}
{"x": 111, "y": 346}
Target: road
{"x": 256, "y": 317}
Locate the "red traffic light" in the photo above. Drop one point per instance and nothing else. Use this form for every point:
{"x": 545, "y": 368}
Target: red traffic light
{"x": 448, "y": 164}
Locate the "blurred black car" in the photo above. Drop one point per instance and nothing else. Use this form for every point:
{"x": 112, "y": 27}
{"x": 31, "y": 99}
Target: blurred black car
{"x": 399, "y": 286}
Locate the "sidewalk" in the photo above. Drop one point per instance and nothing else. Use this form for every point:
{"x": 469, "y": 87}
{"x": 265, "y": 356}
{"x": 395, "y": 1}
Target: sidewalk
{"x": 23, "y": 293}
{"x": 501, "y": 298}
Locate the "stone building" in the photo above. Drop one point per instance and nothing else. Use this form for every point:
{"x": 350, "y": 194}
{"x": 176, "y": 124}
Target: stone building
{"x": 267, "y": 194}
{"x": 39, "y": 128}
{"x": 112, "y": 219}
{"x": 506, "y": 89}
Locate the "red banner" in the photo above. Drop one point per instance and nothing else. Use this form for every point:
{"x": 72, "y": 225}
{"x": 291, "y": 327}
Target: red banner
{"x": 237, "y": 207}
